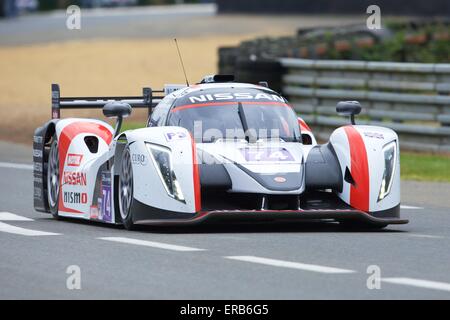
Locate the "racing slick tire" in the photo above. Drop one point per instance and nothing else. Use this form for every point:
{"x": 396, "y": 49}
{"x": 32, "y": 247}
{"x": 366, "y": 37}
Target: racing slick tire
{"x": 53, "y": 178}
{"x": 126, "y": 190}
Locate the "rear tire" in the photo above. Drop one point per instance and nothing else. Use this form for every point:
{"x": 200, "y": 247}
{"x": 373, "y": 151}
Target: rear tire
{"x": 126, "y": 190}
{"x": 53, "y": 179}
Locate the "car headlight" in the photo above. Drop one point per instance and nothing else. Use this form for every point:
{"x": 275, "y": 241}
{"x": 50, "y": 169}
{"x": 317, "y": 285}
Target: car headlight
{"x": 162, "y": 159}
{"x": 390, "y": 160}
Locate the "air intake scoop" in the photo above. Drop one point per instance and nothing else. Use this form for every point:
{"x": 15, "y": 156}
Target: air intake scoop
{"x": 217, "y": 78}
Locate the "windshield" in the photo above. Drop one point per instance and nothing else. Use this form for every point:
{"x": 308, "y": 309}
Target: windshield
{"x": 209, "y": 122}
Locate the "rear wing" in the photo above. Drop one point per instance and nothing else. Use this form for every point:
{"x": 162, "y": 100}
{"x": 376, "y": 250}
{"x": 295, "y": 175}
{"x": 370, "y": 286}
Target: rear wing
{"x": 147, "y": 100}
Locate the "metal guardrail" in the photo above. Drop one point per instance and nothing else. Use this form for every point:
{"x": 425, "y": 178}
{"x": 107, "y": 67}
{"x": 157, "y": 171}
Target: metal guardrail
{"x": 411, "y": 98}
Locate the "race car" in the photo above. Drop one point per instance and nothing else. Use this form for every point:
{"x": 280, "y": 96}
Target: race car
{"x": 215, "y": 151}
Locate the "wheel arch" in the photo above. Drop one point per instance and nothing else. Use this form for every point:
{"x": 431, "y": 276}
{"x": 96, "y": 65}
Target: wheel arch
{"x": 121, "y": 141}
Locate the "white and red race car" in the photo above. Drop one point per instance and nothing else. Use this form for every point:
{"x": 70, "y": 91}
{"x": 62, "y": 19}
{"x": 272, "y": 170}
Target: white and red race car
{"x": 214, "y": 151}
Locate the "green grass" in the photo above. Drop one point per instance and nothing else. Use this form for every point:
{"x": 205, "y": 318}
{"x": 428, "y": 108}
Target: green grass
{"x": 129, "y": 125}
{"x": 414, "y": 166}
{"x": 424, "y": 167}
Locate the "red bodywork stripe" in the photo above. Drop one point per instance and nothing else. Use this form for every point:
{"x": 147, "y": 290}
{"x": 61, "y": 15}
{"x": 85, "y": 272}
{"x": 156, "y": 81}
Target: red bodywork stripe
{"x": 67, "y": 134}
{"x": 360, "y": 191}
{"x": 196, "y": 177}
{"x": 303, "y": 125}
{"x": 211, "y": 104}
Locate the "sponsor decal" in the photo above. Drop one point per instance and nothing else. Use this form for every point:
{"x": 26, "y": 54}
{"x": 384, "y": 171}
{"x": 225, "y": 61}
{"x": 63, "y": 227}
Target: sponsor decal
{"x": 74, "y": 160}
{"x": 93, "y": 212}
{"x": 37, "y": 153}
{"x": 38, "y": 139}
{"x": 269, "y": 154}
{"x": 375, "y": 135}
{"x": 37, "y": 166}
{"x": 169, "y": 88}
{"x": 235, "y": 96}
{"x": 75, "y": 197}
{"x": 74, "y": 178}
{"x": 138, "y": 158}
{"x": 105, "y": 200}
{"x": 279, "y": 179}
{"x": 172, "y": 136}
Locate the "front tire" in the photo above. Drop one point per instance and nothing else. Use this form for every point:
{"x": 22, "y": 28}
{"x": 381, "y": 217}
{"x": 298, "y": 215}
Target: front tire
{"x": 53, "y": 181}
{"x": 126, "y": 190}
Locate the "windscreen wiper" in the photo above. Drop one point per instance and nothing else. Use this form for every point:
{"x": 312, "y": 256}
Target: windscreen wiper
{"x": 243, "y": 118}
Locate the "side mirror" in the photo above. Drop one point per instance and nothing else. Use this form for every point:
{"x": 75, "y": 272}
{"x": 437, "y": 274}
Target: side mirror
{"x": 349, "y": 109}
{"x": 117, "y": 109}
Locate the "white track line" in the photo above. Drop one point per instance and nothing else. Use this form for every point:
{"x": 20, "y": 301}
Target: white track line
{"x": 410, "y": 207}
{"x": 8, "y": 216}
{"x": 288, "y": 264}
{"x": 152, "y": 244}
{"x": 426, "y": 236}
{"x": 21, "y": 166}
{"x": 4, "y": 227}
{"x": 443, "y": 286}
